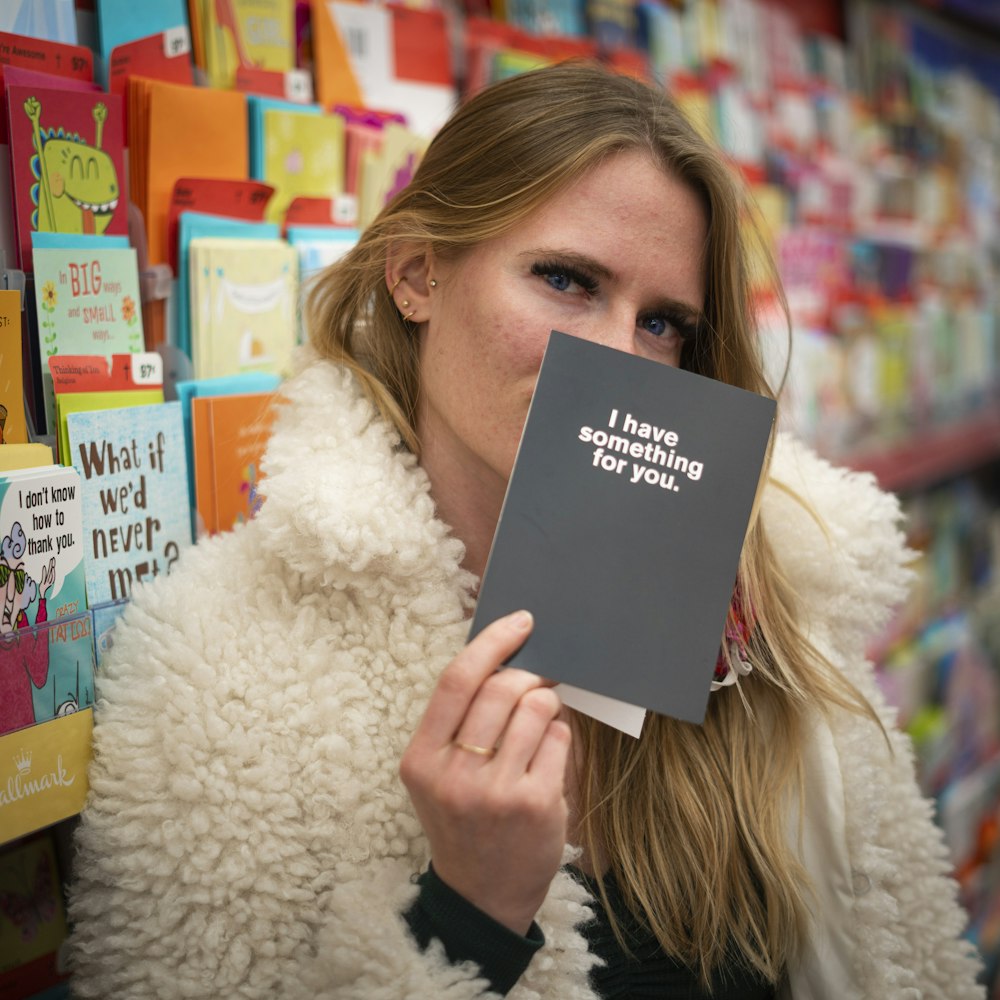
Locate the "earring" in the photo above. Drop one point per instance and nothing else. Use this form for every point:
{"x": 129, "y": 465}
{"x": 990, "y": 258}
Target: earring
{"x": 409, "y": 314}
{"x": 406, "y": 303}
{"x": 395, "y": 284}
{"x": 434, "y": 284}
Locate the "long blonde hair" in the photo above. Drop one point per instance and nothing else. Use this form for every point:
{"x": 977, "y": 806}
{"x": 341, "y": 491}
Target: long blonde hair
{"x": 694, "y": 819}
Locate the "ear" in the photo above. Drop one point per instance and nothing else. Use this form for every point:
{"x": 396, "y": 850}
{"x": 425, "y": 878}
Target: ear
{"x": 408, "y": 278}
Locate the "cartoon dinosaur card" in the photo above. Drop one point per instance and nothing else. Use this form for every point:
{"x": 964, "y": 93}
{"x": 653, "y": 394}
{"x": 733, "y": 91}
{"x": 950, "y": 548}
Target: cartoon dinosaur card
{"x": 67, "y": 164}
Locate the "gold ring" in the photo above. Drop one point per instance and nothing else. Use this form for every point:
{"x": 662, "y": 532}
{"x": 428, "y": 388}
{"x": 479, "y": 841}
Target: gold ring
{"x": 472, "y": 748}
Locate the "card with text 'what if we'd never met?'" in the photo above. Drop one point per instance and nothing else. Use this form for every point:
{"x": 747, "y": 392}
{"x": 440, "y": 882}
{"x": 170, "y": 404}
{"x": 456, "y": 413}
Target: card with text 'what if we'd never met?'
{"x": 623, "y": 523}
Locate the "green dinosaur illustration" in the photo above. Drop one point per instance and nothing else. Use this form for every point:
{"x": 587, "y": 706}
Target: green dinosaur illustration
{"x": 77, "y": 190}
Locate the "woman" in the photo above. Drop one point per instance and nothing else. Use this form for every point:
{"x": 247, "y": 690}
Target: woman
{"x": 248, "y": 834}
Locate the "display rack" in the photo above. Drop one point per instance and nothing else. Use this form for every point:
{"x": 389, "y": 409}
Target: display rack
{"x": 937, "y": 454}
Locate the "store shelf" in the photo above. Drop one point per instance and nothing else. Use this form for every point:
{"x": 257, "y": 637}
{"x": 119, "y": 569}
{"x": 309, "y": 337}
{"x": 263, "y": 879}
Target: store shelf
{"x": 935, "y": 454}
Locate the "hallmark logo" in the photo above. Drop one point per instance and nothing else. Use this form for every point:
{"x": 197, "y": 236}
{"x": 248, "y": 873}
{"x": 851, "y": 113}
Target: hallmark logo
{"x": 22, "y": 786}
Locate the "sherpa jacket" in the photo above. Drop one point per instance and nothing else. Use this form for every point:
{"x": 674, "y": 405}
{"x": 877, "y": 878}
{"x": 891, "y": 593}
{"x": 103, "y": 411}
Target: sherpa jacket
{"x": 247, "y": 834}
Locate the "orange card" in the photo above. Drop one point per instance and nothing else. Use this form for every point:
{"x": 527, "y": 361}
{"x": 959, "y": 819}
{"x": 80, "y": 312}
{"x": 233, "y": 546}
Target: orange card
{"x": 192, "y": 132}
{"x": 335, "y": 80}
{"x": 230, "y": 435}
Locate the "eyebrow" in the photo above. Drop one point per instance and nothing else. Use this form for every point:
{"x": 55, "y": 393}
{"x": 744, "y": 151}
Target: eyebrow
{"x": 581, "y": 260}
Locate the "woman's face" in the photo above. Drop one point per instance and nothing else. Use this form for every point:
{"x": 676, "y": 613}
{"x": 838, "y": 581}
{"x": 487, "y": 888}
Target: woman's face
{"x": 616, "y": 259}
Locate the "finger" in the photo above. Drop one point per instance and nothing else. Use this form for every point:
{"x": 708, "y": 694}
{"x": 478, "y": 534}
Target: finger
{"x": 461, "y": 679}
{"x": 552, "y": 756}
{"x": 528, "y": 724}
{"x": 491, "y": 708}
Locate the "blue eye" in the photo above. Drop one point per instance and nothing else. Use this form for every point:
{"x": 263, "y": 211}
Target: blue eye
{"x": 678, "y": 324}
{"x": 656, "y": 325}
{"x": 562, "y": 277}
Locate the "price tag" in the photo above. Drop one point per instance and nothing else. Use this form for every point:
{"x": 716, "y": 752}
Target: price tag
{"x": 71, "y": 61}
{"x": 163, "y": 56}
{"x": 240, "y": 199}
{"x": 344, "y": 210}
{"x": 114, "y": 373}
{"x": 176, "y": 41}
{"x": 43, "y": 56}
{"x": 147, "y": 368}
{"x": 298, "y": 86}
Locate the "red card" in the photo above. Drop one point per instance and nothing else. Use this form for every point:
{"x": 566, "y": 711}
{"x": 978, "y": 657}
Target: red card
{"x": 97, "y": 373}
{"x": 82, "y": 129}
{"x": 74, "y": 62}
{"x": 237, "y": 199}
{"x": 292, "y": 85}
{"x": 422, "y": 50}
{"x": 163, "y": 56}
{"x": 630, "y": 62}
{"x": 341, "y": 211}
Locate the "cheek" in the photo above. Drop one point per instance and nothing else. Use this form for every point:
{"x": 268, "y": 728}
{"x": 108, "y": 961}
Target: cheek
{"x": 490, "y": 341}
{"x": 520, "y": 340}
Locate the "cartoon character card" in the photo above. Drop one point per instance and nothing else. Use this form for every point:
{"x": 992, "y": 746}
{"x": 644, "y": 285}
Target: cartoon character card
{"x": 67, "y": 163}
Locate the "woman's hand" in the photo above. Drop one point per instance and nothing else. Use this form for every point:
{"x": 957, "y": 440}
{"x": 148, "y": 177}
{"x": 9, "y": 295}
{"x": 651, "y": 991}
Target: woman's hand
{"x": 496, "y": 820}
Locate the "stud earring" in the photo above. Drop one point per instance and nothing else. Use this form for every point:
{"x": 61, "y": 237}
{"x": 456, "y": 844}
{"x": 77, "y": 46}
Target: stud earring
{"x": 406, "y": 303}
{"x": 434, "y": 284}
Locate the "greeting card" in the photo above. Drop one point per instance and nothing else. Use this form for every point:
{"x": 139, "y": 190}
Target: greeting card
{"x": 13, "y": 429}
{"x": 251, "y": 33}
{"x": 244, "y": 297}
{"x": 135, "y": 502}
{"x": 86, "y": 302}
{"x": 623, "y": 522}
{"x": 67, "y": 163}
{"x": 230, "y": 436}
{"x": 302, "y": 154}
{"x": 32, "y": 915}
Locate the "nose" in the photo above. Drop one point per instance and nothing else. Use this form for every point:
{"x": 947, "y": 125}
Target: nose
{"x": 616, "y": 329}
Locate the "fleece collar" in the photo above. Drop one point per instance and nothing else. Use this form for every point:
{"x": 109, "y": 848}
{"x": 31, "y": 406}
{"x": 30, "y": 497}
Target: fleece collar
{"x": 347, "y": 504}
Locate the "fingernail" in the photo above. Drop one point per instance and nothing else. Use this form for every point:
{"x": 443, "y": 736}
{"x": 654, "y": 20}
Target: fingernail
{"x": 520, "y": 620}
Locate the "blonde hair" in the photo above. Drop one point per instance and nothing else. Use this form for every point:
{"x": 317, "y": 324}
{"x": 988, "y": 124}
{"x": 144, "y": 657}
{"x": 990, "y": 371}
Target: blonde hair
{"x": 694, "y": 819}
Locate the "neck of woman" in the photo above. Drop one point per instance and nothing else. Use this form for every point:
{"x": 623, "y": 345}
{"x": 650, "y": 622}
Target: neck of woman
{"x": 468, "y": 496}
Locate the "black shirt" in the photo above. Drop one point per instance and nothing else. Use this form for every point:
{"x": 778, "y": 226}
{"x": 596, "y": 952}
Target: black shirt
{"x": 647, "y": 973}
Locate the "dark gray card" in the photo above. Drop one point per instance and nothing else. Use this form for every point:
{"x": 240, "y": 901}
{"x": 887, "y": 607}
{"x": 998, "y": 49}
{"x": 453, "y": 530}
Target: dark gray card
{"x": 623, "y": 523}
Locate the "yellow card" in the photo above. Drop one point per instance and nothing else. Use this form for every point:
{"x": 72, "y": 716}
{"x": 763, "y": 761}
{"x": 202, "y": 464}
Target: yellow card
{"x": 78, "y": 402}
{"x": 43, "y": 773}
{"x": 303, "y": 155}
{"x": 24, "y": 456}
{"x": 13, "y": 429}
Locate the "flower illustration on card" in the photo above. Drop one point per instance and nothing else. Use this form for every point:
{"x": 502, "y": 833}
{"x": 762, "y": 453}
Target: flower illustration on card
{"x": 131, "y": 317}
{"x": 249, "y": 487}
{"x": 50, "y": 298}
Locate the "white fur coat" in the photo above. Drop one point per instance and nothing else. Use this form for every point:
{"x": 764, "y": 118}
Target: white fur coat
{"x": 247, "y": 834}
